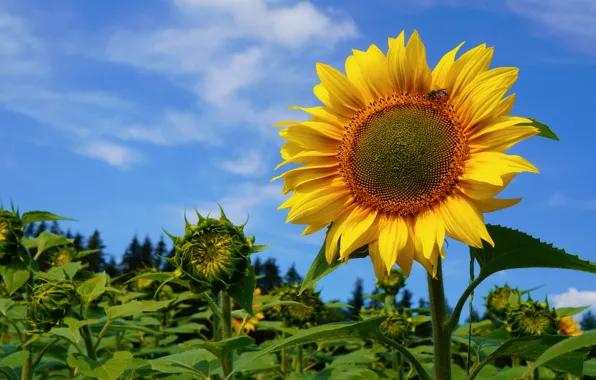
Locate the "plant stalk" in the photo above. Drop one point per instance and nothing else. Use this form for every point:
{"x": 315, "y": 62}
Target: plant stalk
{"x": 441, "y": 330}
{"x": 398, "y": 363}
{"x": 299, "y": 360}
{"x": 28, "y": 365}
{"x": 226, "y": 318}
{"x": 86, "y": 334}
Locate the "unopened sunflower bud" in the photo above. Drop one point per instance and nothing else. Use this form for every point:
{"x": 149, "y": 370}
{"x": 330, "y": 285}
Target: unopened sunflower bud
{"x": 11, "y": 233}
{"x": 498, "y": 300}
{"x": 62, "y": 256}
{"x": 392, "y": 282}
{"x": 214, "y": 254}
{"x": 531, "y": 318}
{"x": 398, "y": 327}
{"x": 297, "y": 315}
{"x": 50, "y": 301}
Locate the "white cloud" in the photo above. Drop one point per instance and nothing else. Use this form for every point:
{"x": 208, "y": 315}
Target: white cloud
{"x": 573, "y": 19}
{"x": 114, "y": 154}
{"x": 560, "y": 200}
{"x": 250, "y": 163}
{"x": 574, "y": 298}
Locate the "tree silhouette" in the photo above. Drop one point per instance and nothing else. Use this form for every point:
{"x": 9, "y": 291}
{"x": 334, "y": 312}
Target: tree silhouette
{"x": 292, "y": 276}
{"x": 406, "y": 300}
{"x": 41, "y": 227}
{"x": 95, "y": 260}
{"x": 161, "y": 249}
{"x": 130, "y": 260}
{"x": 55, "y": 228}
{"x": 357, "y": 300}
{"x": 588, "y": 321}
{"x": 145, "y": 254}
{"x": 474, "y": 316}
{"x": 271, "y": 278}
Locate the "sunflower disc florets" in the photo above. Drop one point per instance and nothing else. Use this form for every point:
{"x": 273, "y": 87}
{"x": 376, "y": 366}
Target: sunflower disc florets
{"x": 531, "y": 318}
{"x": 62, "y": 256}
{"x": 11, "y": 233}
{"x": 297, "y": 315}
{"x": 497, "y": 300}
{"x": 50, "y": 302}
{"x": 398, "y": 327}
{"x": 213, "y": 254}
{"x": 392, "y": 282}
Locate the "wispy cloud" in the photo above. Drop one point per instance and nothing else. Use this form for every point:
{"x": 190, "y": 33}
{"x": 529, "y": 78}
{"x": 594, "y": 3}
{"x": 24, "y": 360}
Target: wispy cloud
{"x": 114, "y": 154}
{"x": 560, "y": 200}
{"x": 574, "y": 298}
{"x": 249, "y": 163}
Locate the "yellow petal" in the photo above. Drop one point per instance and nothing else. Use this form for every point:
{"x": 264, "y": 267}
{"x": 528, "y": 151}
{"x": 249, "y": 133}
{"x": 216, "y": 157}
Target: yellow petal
{"x": 427, "y": 228}
{"x": 396, "y": 59}
{"x": 504, "y": 107}
{"x": 405, "y": 258}
{"x": 310, "y": 138}
{"x": 375, "y": 70}
{"x": 322, "y": 211}
{"x": 332, "y": 239}
{"x": 317, "y": 202}
{"x": 295, "y": 178}
{"x": 483, "y": 190}
{"x": 429, "y": 263}
{"x": 464, "y": 60}
{"x": 355, "y": 74}
{"x": 323, "y": 114}
{"x": 499, "y": 139}
{"x": 419, "y": 77}
{"x": 360, "y": 230}
{"x": 334, "y": 105}
{"x": 309, "y": 157}
{"x": 393, "y": 237}
{"x": 463, "y": 221}
{"x": 439, "y": 74}
{"x": 377, "y": 261}
{"x": 340, "y": 87}
{"x": 495, "y": 204}
{"x": 489, "y": 167}
{"x": 320, "y": 164}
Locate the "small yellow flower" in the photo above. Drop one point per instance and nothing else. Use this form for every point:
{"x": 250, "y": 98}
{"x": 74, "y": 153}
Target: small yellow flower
{"x": 249, "y": 326}
{"x": 569, "y": 327}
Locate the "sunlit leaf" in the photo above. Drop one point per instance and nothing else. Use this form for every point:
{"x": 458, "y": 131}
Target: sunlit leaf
{"x": 110, "y": 369}
{"x": 41, "y": 216}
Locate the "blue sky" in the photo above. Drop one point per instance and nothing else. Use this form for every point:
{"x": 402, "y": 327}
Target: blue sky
{"x": 122, "y": 114}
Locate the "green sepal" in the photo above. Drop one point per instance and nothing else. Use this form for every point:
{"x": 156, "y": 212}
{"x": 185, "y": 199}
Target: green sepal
{"x": 242, "y": 291}
{"x": 544, "y": 130}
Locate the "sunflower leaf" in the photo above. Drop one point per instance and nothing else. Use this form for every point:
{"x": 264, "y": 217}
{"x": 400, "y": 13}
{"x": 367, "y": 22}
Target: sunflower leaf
{"x": 515, "y": 249}
{"x": 544, "y": 130}
{"x": 569, "y": 311}
{"x": 223, "y": 347}
{"x": 577, "y": 345}
{"x": 41, "y": 216}
{"x": 243, "y": 291}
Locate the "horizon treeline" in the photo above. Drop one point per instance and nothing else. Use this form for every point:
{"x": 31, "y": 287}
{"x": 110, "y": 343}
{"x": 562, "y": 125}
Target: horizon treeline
{"x": 144, "y": 254}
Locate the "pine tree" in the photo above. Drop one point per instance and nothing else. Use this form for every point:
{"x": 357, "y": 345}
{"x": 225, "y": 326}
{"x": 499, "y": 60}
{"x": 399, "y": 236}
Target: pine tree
{"x": 292, "y": 276}
{"x": 161, "y": 250}
{"x": 374, "y": 303}
{"x": 474, "y": 316}
{"x": 271, "y": 278}
{"x": 41, "y": 227}
{"x": 130, "y": 259}
{"x": 588, "y": 321}
{"x": 258, "y": 267}
{"x": 95, "y": 260}
{"x": 111, "y": 268}
{"x": 29, "y": 230}
{"x": 68, "y": 234}
{"x": 357, "y": 300}
{"x": 146, "y": 259}
{"x": 78, "y": 242}
{"x": 55, "y": 228}
{"x": 406, "y": 300}
{"x": 423, "y": 304}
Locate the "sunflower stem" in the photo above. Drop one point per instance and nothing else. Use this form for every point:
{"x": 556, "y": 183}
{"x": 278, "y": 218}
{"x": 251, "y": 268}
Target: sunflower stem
{"x": 299, "y": 360}
{"x": 398, "y": 363}
{"x": 226, "y": 331}
{"x": 441, "y": 331}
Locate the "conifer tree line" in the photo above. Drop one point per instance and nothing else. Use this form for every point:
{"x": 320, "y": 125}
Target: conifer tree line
{"x": 141, "y": 255}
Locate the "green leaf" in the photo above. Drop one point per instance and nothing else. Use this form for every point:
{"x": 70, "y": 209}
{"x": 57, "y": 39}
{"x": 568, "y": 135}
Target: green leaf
{"x": 569, "y": 311}
{"x": 224, "y": 346}
{"x": 514, "y": 249}
{"x": 463, "y": 330}
{"x": 41, "y": 216}
{"x": 340, "y": 305}
{"x": 93, "y": 288}
{"x": 364, "y": 329}
{"x": 567, "y": 346}
{"x": 5, "y": 305}
{"x": 363, "y": 356}
{"x": 110, "y": 369}
{"x": 276, "y": 325}
{"x": 251, "y": 362}
{"x": 243, "y": 291}
{"x": 62, "y": 272}
{"x": 187, "y": 328}
{"x": 71, "y": 335}
{"x": 530, "y": 348}
{"x": 194, "y": 362}
{"x": 134, "y": 307}
{"x": 16, "y": 359}
{"x": 15, "y": 274}
{"x": 544, "y": 130}
{"x": 46, "y": 240}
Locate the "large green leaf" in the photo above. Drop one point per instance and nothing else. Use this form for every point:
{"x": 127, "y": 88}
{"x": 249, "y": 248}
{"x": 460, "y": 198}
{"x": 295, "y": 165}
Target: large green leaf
{"x": 242, "y": 292}
{"x": 194, "y": 362}
{"x": 46, "y": 240}
{"x": 544, "y": 130}
{"x": 569, "y": 311}
{"x": 224, "y": 346}
{"x": 134, "y": 307}
{"x": 363, "y": 356}
{"x": 41, "y": 216}
{"x": 252, "y": 361}
{"x": 186, "y": 328}
{"x": 514, "y": 249}
{"x": 11, "y": 363}
{"x": 110, "y": 369}
{"x": 567, "y": 346}
{"x": 62, "y": 272}
{"x": 15, "y": 274}
{"x": 530, "y": 348}
{"x": 93, "y": 288}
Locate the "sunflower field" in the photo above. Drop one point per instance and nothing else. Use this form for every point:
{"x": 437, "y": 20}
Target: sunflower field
{"x": 397, "y": 159}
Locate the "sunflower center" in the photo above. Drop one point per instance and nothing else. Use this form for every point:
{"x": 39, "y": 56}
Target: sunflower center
{"x": 210, "y": 253}
{"x": 402, "y": 153}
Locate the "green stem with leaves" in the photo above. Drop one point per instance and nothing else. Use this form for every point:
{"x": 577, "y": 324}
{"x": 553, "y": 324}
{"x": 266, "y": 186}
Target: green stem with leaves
{"x": 226, "y": 318}
{"x": 441, "y": 328}
{"x": 86, "y": 334}
{"x": 398, "y": 363}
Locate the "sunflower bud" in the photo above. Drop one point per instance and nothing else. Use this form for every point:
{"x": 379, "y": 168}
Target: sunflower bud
{"x": 214, "y": 254}
{"x": 62, "y": 256}
{"x": 398, "y": 327}
{"x": 297, "y": 315}
{"x": 531, "y": 318}
{"x": 11, "y": 233}
{"x": 569, "y": 327}
{"x": 392, "y": 282}
{"x": 50, "y": 302}
{"x": 497, "y": 300}
{"x": 165, "y": 293}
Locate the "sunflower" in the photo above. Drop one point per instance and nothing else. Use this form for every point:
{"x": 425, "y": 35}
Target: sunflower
{"x": 399, "y": 156}
{"x": 569, "y": 327}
